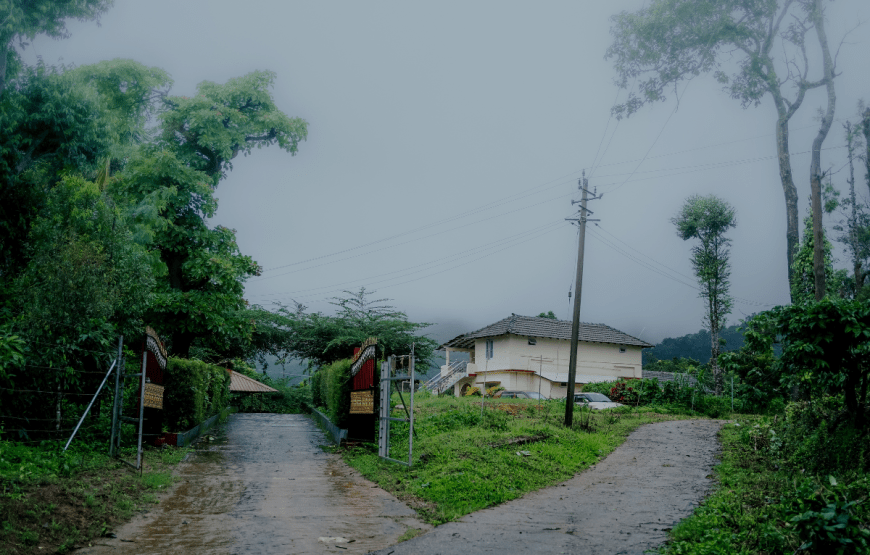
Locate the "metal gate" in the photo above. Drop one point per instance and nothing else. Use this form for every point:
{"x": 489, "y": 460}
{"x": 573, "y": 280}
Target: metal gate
{"x": 389, "y": 375}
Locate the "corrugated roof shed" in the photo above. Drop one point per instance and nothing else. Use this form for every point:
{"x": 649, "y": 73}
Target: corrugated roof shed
{"x": 240, "y": 382}
{"x": 533, "y": 326}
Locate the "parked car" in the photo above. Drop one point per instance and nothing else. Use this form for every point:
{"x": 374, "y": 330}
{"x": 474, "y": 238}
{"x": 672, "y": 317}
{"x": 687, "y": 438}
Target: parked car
{"x": 596, "y": 401}
{"x": 519, "y": 395}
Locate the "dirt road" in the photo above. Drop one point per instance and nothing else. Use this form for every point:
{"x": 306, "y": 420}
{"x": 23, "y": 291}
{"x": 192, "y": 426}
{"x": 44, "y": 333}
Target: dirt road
{"x": 623, "y": 505}
{"x": 264, "y": 485}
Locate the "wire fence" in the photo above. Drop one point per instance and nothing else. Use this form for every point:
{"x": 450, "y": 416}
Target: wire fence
{"x": 44, "y": 401}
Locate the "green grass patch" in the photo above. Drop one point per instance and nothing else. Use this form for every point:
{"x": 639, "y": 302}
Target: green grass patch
{"x": 763, "y": 505}
{"x": 53, "y": 501}
{"x": 466, "y": 459}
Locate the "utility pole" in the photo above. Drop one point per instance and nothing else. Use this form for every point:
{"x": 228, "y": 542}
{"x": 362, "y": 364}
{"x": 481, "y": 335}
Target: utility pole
{"x": 583, "y": 185}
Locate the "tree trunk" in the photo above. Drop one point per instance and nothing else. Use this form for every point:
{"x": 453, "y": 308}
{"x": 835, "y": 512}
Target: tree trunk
{"x": 865, "y": 130}
{"x": 4, "y": 56}
{"x": 789, "y": 190}
{"x": 853, "y": 219}
{"x": 818, "y": 17}
{"x": 181, "y": 342}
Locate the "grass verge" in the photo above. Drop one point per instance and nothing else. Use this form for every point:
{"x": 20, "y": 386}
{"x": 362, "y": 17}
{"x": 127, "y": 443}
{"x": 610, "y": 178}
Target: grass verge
{"x": 761, "y": 505}
{"x": 466, "y": 459}
{"x": 53, "y": 502}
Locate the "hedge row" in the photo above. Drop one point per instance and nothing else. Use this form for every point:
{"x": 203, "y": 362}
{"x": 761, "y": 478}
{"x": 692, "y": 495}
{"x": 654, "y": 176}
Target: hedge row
{"x": 330, "y": 389}
{"x": 643, "y": 392}
{"x": 194, "y": 391}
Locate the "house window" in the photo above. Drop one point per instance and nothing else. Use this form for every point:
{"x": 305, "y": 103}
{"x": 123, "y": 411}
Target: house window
{"x": 489, "y": 349}
{"x": 622, "y": 349}
{"x": 533, "y": 341}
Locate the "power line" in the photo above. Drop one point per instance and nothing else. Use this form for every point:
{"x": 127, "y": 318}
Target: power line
{"x": 527, "y": 193}
{"x": 657, "y": 136}
{"x": 604, "y": 135}
{"x": 453, "y": 267}
{"x": 473, "y": 211}
{"x": 461, "y": 254}
{"x": 665, "y": 274}
{"x": 413, "y": 240}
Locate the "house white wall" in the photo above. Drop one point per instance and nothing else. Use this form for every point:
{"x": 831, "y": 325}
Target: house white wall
{"x": 513, "y": 352}
{"x": 515, "y": 364}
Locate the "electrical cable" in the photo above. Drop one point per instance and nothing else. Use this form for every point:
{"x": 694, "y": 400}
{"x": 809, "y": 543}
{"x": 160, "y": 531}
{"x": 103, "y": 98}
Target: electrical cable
{"x": 429, "y": 263}
{"x": 604, "y": 241}
{"x": 453, "y": 267}
{"x": 412, "y": 240}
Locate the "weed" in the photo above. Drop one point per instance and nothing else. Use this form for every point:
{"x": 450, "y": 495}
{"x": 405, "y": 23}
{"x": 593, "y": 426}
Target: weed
{"x": 410, "y": 534}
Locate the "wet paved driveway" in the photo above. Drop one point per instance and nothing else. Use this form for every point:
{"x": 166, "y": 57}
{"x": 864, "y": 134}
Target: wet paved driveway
{"x": 623, "y": 505}
{"x": 264, "y": 485}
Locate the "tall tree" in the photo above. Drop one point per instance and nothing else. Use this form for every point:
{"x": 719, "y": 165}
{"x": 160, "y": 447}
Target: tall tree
{"x": 855, "y": 225}
{"x": 816, "y": 14}
{"x": 707, "y": 219}
{"x": 675, "y": 40}
{"x": 173, "y": 181}
{"x": 25, "y": 19}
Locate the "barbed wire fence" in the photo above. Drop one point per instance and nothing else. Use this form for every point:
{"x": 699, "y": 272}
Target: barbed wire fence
{"x": 47, "y": 403}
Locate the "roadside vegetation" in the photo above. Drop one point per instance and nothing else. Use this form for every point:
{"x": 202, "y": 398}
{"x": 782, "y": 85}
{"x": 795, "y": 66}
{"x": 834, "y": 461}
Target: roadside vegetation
{"x": 54, "y": 501}
{"x": 783, "y": 486}
{"x": 467, "y": 459}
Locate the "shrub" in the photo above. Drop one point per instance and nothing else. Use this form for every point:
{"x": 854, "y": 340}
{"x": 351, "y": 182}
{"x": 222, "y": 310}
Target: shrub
{"x": 493, "y": 390}
{"x": 317, "y": 398}
{"x": 819, "y": 437}
{"x": 338, "y": 381}
{"x": 194, "y": 391}
{"x": 826, "y": 521}
{"x": 622, "y": 392}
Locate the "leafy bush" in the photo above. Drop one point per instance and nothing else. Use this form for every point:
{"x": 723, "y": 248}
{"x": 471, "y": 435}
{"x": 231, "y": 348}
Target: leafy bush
{"x": 472, "y": 391}
{"x": 330, "y": 389}
{"x": 820, "y": 437}
{"x": 493, "y": 390}
{"x": 317, "y": 397}
{"x": 622, "y": 392}
{"x": 338, "y": 380}
{"x": 826, "y": 522}
{"x": 194, "y": 391}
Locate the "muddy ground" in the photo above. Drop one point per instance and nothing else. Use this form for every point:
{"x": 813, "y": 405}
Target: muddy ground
{"x": 264, "y": 485}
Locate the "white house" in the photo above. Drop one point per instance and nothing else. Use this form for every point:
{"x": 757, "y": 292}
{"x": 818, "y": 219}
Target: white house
{"x": 531, "y": 354}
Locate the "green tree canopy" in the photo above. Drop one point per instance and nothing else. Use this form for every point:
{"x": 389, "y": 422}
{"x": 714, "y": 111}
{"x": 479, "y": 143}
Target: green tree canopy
{"x": 707, "y": 219}
{"x": 25, "y": 19}
{"x": 322, "y": 339}
{"x": 671, "y": 41}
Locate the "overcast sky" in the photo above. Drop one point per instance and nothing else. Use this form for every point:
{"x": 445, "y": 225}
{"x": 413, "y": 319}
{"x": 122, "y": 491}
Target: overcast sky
{"x": 445, "y": 141}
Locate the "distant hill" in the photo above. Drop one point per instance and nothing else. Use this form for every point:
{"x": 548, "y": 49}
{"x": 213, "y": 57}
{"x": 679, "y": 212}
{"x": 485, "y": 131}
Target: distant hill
{"x": 693, "y": 345}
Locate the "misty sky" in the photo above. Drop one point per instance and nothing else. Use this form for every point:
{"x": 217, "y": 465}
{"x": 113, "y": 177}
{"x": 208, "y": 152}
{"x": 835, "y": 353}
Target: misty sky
{"x": 444, "y": 146}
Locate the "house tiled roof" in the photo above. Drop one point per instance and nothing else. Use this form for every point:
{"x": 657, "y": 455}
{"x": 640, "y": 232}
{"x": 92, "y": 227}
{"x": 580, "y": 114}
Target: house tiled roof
{"x": 545, "y": 327}
{"x": 240, "y": 382}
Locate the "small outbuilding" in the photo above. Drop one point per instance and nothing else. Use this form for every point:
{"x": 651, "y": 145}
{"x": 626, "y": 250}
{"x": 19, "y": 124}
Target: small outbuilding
{"x": 531, "y": 354}
{"x": 240, "y": 382}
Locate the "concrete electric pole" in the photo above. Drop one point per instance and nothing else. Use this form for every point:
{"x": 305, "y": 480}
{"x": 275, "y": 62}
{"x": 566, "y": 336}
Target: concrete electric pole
{"x": 578, "y": 288}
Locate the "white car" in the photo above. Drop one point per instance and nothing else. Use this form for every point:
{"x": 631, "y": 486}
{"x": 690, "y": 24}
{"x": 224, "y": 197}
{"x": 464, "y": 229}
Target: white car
{"x": 595, "y": 401}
